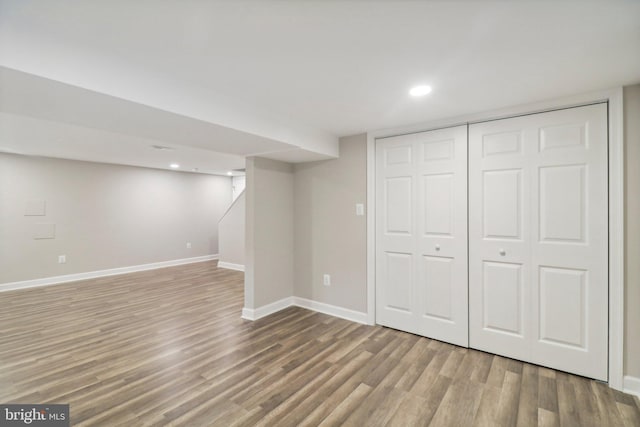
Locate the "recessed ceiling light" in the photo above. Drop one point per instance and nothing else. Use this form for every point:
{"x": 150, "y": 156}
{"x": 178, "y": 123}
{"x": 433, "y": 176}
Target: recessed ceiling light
{"x": 420, "y": 90}
{"x": 174, "y": 166}
{"x": 229, "y": 173}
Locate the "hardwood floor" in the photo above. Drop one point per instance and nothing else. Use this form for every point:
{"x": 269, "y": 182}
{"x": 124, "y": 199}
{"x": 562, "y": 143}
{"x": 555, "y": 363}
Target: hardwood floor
{"x": 168, "y": 347}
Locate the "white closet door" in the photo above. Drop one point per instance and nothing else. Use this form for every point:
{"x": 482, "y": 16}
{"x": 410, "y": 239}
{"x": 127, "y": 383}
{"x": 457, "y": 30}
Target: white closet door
{"x": 499, "y": 236}
{"x": 538, "y": 239}
{"x": 396, "y": 302}
{"x": 421, "y": 234}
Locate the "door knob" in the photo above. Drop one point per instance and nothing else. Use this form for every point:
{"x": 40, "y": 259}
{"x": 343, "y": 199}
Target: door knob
{"x": 502, "y": 252}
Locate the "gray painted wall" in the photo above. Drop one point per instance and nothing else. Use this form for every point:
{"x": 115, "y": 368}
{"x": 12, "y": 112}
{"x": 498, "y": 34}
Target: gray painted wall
{"x": 329, "y": 237}
{"x": 105, "y": 216}
{"x": 632, "y": 229}
{"x": 269, "y": 232}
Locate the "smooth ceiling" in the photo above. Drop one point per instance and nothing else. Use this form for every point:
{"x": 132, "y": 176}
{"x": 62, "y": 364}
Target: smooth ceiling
{"x": 302, "y": 73}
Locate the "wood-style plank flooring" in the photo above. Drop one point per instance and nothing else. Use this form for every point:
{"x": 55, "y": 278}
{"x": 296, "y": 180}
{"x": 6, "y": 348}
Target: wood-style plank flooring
{"x": 168, "y": 347}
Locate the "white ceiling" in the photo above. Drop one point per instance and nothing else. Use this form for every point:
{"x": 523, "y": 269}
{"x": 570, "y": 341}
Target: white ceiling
{"x": 286, "y": 78}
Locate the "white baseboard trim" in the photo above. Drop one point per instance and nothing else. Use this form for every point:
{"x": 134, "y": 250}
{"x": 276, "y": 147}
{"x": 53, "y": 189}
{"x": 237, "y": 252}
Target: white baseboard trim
{"x": 265, "y": 310}
{"x": 55, "y": 280}
{"x": 230, "y": 266}
{"x": 332, "y": 310}
{"x": 631, "y": 385}
{"x": 320, "y": 307}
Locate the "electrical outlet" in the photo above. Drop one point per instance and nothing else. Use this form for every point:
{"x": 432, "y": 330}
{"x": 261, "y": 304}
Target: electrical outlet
{"x": 62, "y": 259}
{"x": 359, "y": 209}
{"x": 188, "y": 245}
{"x": 326, "y": 280}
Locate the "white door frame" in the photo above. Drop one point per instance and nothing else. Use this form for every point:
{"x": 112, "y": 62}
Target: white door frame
{"x": 616, "y": 204}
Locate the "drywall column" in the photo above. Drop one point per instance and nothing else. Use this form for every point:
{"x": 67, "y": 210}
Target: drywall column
{"x": 329, "y": 237}
{"x": 269, "y": 233}
{"x": 632, "y": 232}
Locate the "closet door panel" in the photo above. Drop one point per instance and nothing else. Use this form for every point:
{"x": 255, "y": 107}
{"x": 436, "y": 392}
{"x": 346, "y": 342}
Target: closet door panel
{"x": 538, "y": 205}
{"x": 570, "y": 244}
{"x": 499, "y": 256}
{"x": 442, "y": 234}
{"x": 421, "y": 234}
{"x": 396, "y": 299}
